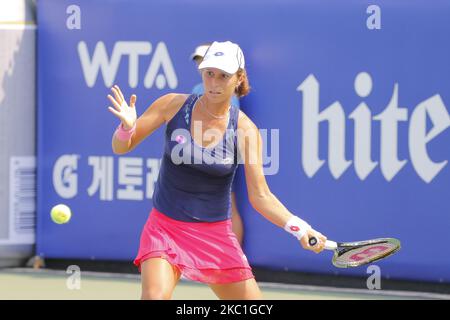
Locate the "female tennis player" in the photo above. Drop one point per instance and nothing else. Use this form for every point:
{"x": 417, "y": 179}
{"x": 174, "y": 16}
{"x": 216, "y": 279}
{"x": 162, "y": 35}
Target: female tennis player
{"x": 189, "y": 228}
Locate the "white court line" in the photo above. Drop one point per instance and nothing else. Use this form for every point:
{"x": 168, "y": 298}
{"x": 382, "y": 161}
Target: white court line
{"x": 267, "y": 285}
{"x": 324, "y": 289}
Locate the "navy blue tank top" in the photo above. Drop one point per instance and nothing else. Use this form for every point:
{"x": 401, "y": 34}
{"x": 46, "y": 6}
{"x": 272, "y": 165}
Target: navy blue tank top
{"x": 194, "y": 183}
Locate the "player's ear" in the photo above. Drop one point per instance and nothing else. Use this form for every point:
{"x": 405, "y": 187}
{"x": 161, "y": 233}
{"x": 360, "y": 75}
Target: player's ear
{"x": 241, "y": 79}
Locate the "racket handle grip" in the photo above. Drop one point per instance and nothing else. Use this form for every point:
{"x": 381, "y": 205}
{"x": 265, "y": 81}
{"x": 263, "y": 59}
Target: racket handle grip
{"x": 329, "y": 245}
{"x": 312, "y": 241}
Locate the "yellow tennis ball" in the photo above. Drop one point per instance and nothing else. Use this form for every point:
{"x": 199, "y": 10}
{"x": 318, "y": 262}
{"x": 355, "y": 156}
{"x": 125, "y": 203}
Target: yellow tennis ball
{"x": 61, "y": 214}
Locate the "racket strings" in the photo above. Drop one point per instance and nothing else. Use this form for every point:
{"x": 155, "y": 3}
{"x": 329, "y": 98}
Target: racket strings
{"x": 356, "y": 254}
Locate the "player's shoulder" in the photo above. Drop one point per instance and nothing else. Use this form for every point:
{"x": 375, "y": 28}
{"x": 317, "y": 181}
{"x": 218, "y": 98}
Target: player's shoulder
{"x": 244, "y": 121}
{"x": 172, "y": 98}
{"x": 177, "y": 99}
{"x": 174, "y": 102}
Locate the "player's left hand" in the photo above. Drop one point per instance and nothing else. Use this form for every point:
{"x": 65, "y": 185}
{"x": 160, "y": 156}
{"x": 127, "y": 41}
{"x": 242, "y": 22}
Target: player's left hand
{"x": 321, "y": 239}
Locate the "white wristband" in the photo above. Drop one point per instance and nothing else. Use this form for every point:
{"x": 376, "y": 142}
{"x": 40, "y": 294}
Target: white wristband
{"x": 297, "y": 227}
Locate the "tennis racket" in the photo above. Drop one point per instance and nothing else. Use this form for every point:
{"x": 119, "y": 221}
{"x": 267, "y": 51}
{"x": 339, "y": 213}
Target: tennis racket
{"x": 355, "y": 254}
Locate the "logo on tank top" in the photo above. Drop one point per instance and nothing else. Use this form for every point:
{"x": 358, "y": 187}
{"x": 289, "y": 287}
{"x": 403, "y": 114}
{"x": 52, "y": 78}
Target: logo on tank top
{"x": 180, "y": 139}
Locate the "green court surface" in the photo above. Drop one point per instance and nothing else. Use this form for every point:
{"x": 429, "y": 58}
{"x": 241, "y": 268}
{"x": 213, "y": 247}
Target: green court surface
{"x": 44, "y": 284}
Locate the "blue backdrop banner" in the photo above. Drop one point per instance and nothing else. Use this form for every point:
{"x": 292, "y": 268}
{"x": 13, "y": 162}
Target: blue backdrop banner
{"x": 352, "y": 100}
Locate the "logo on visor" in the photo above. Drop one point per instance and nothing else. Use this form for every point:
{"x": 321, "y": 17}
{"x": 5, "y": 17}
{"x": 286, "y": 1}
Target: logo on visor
{"x": 218, "y": 54}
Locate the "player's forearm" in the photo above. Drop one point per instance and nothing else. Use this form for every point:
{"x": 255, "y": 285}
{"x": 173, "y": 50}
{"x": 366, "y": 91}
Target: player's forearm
{"x": 272, "y": 209}
{"x": 120, "y": 147}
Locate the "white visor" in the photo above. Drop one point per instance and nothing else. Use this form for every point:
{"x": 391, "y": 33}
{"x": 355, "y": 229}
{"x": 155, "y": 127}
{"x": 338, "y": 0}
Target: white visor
{"x": 226, "y": 56}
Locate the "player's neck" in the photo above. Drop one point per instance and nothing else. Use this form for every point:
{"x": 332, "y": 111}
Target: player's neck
{"x": 218, "y": 109}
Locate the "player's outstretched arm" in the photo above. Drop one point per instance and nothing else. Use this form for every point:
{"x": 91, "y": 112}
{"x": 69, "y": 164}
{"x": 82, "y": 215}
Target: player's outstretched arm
{"x": 133, "y": 130}
{"x": 259, "y": 194}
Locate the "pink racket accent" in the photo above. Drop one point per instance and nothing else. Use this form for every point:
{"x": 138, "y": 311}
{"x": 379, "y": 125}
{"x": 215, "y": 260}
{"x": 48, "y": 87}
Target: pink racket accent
{"x": 369, "y": 252}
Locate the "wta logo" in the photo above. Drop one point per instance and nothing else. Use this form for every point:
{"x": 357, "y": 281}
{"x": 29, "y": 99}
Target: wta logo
{"x": 428, "y": 120}
{"x": 160, "y": 71}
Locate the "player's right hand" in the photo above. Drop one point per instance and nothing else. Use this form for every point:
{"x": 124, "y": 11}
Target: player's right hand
{"x": 126, "y": 113}
{"x": 321, "y": 239}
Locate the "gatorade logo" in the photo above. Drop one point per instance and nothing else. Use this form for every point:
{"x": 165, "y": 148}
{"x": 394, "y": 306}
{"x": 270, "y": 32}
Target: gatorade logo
{"x": 65, "y": 176}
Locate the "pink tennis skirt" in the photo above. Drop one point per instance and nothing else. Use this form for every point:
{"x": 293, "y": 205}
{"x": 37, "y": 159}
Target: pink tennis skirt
{"x": 207, "y": 252}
